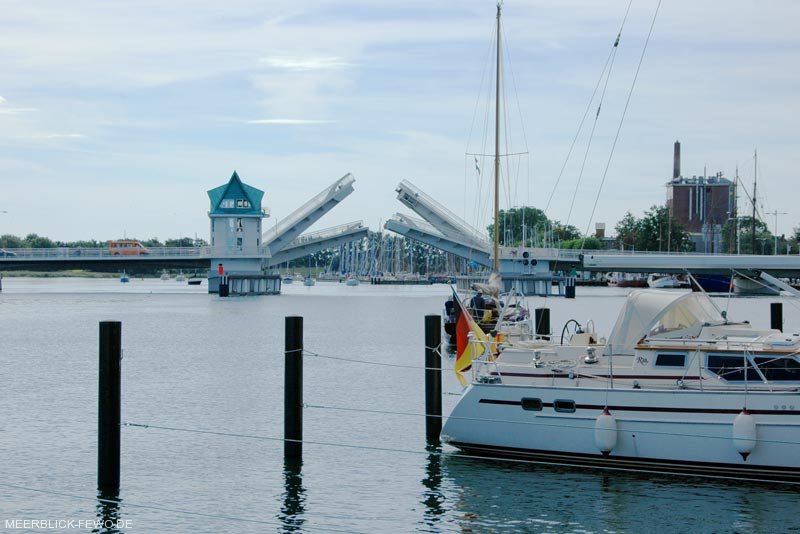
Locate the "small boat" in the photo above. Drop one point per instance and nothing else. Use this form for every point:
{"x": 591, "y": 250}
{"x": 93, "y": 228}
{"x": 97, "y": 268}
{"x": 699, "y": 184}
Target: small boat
{"x": 287, "y": 280}
{"x": 751, "y": 286}
{"x": 309, "y": 281}
{"x": 165, "y": 275}
{"x": 711, "y": 283}
{"x": 180, "y": 277}
{"x": 626, "y": 280}
{"x": 658, "y": 281}
{"x": 194, "y": 281}
{"x": 352, "y": 281}
{"x": 124, "y": 278}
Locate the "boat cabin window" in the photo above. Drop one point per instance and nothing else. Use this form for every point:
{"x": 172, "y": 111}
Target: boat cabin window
{"x": 564, "y": 406}
{"x": 731, "y": 368}
{"x": 670, "y": 360}
{"x": 533, "y": 405}
{"x": 779, "y": 369}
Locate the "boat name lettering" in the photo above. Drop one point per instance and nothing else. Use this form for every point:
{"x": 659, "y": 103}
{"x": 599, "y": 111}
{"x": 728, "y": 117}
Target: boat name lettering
{"x": 642, "y": 360}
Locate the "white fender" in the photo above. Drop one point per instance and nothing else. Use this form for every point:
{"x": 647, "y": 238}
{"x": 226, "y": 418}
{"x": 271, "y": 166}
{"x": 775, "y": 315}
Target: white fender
{"x": 744, "y": 433}
{"x": 605, "y": 432}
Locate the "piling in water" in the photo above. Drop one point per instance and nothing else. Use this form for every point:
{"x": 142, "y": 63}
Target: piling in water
{"x": 433, "y": 378}
{"x": 109, "y": 400}
{"x": 569, "y": 289}
{"x": 293, "y": 390}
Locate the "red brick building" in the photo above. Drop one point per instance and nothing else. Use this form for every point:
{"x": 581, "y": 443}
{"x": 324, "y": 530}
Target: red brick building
{"x": 701, "y": 204}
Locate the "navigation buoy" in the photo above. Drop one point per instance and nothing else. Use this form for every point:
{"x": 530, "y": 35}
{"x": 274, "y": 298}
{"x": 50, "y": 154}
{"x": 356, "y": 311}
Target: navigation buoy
{"x": 744, "y": 433}
{"x": 605, "y": 432}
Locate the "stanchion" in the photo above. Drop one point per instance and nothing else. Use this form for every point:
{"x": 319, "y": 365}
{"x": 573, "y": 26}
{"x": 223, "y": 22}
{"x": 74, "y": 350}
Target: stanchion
{"x": 433, "y": 378}
{"x": 293, "y": 390}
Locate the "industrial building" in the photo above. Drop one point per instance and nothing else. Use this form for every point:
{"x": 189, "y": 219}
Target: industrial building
{"x": 701, "y": 204}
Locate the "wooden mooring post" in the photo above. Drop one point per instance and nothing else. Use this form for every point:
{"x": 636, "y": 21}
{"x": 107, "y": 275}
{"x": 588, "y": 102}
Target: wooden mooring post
{"x": 433, "y": 378}
{"x": 293, "y": 390}
{"x": 109, "y": 403}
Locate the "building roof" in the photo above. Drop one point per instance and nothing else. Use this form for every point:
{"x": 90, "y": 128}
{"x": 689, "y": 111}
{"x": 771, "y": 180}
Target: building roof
{"x": 235, "y": 189}
{"x": 717, "y": 180}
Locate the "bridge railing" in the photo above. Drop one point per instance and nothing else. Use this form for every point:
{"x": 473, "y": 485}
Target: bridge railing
{"x": 327, "y": 233}
{"x": 90, "y": 253}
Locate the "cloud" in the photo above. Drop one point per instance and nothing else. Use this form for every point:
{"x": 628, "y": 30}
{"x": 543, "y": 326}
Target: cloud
{"x": 59, "y": 136}
{"x": 314, "y": 63}
{"x": 288, "y": 121}
{"x": 6, "y": 110}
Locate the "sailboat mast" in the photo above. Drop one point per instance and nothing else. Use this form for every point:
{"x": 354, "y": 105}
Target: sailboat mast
{"x": 753, "y": 222}
{"x": 496, "y": 259}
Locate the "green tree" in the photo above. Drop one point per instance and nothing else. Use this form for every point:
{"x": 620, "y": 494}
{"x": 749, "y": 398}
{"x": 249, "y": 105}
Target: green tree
{"x": 152, "y": 242}
{"x": 11, "y": 241}
{"x": 533, "y": 224}
{"x": 655, "y": 231}
{"x": 36, "y": 241}
{"x": 180, "y": 242}
{"x": 589, "y": 243}
{"x": 744, "y": 242}
{"x": 627, "y": 229}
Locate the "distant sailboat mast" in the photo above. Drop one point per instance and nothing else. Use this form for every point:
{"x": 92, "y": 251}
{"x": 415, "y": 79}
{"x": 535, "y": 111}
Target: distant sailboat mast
{"x": 753, "y": 222}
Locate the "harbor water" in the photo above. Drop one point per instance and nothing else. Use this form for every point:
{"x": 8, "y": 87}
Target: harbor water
{"x": 202, "y": 385}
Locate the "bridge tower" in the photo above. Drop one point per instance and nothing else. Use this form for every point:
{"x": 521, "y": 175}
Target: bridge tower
{"x": 235, "y": 220}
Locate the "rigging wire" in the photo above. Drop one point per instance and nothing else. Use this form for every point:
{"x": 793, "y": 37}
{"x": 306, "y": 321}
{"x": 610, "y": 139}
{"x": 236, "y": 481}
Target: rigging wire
{"x": 487, "y": 63}
{"x": 611, "y": 53}
{"x": 594, "y": 127}
{"x": 522, "y": 126}
{"x": 621, "y": 121}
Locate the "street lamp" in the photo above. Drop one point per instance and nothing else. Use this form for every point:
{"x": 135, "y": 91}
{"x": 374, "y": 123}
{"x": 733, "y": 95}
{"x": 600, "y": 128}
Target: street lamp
{"x": 775, "y": 235}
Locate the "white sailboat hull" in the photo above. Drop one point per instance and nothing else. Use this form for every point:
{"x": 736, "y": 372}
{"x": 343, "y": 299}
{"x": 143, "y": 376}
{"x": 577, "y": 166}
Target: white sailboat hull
{"x": 672, "y": 430}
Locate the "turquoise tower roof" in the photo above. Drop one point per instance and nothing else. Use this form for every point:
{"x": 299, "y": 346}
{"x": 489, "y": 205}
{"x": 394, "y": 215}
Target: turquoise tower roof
{"x": 235, "y": 197}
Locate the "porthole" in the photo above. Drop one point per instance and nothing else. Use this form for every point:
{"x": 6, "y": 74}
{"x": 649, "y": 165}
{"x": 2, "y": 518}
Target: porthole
{"x": 564, "y": 406}
{"x": 532, "y": 405}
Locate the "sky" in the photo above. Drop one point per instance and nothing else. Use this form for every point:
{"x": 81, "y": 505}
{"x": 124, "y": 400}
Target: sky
{"x": 116, "y": 118}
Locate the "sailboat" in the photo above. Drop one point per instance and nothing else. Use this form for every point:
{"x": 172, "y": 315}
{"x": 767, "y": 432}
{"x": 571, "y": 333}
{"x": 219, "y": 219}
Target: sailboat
{"x": 678, "y": 387}
{"x": 743, "y": 285}
{"x": 491, "y": 310}
{"x": 309, "y": 280}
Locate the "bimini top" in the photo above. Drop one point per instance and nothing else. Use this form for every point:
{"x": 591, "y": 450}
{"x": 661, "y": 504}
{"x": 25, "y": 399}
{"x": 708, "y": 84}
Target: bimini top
{"x": 653, "y": 312}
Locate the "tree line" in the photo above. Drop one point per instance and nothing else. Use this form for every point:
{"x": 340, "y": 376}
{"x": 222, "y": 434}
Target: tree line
{"x": 37, "y": 241}
{"x": 654, "y": 231}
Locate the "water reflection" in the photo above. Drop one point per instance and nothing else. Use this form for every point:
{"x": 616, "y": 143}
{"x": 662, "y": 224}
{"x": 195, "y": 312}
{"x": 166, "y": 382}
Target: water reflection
{"x": 498, "y": 496}
{"x": 294, "y": 497}
{"x": 108, "y": 513}
{"x": 433, "y": 498}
